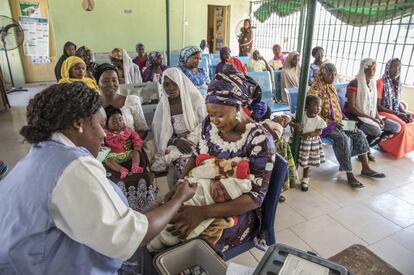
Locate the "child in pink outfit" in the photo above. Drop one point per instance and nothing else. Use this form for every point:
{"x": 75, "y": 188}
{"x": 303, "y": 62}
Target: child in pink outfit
{"x": 123, "y": 141}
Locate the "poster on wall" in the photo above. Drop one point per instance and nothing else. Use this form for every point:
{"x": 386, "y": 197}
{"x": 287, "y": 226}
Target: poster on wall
{"x": 30, "y": 9}
{"x": 36, "y": 36}
{"x": 40, "y": 60}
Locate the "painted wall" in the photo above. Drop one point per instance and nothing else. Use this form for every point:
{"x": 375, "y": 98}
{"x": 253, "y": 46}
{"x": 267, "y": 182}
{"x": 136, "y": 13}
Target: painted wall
{"x": 115, "y": 23}
{"x": 14, "y": 55}
{"x": 407, "y": 94}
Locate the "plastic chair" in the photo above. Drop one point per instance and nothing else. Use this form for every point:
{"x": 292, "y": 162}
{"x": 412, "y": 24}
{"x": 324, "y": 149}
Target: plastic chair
{"x": 277, "y": 88}
{"x": 263, "y": 79}
{"x": 267, "y": 230}
{"x": 341, "y": 92}
{"x": 101, "y": 58}
{"x": 215, "y": 61}
{"x": 212, "y": 69}
{"x": 148, "y": 93}
{"x": 204, "y": 65}
{"x": 207, "y": 56}
{"x": 292, "y": 96}
{"x": 174, "y": 59}
{"x": 243, "y": 59}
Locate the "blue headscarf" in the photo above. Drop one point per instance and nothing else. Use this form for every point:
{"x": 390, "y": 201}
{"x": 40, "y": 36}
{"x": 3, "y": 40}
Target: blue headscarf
{"x": 187, "y": 52}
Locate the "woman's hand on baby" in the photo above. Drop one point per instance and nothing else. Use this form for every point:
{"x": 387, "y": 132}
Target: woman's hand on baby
{"x": 184, "y": 191}
{"x": 185, "y": 146}
{"x": 186, "y": 220}
{"x": 296, "y": 126}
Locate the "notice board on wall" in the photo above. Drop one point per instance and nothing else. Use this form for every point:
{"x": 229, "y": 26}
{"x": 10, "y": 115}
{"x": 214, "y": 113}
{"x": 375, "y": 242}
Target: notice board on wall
{"x": 38, "y": 51}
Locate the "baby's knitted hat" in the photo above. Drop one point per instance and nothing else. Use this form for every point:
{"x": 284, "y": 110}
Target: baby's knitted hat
{"x": 236, "y": 187}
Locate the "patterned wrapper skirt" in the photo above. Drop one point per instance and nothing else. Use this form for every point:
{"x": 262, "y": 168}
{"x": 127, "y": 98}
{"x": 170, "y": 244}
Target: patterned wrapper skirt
{"x": 311, "y": 152}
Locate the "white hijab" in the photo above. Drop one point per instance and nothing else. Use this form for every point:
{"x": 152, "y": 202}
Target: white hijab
{"x": 131, "y": 71}
{"x": 366, "y": 97}
{"x": 194, "y": 108}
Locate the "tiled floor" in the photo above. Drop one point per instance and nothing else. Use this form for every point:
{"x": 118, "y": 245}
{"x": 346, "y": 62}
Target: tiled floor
{"x": 328, "y": 218}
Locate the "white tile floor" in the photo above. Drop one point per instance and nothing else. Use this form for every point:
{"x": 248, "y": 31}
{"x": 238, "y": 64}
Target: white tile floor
{"x": 328, "y": 218}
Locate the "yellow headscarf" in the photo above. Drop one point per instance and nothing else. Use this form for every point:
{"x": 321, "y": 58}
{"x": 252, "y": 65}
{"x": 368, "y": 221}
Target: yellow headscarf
{"x": 67, "y": 65}
{"x": 331, "y": 109}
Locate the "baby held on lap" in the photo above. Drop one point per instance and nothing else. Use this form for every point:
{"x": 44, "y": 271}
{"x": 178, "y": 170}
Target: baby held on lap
{"x": 217, "y": 181}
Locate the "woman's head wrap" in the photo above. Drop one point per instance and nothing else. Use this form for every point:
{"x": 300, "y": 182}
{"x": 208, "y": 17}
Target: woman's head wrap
{"x": 103, "y": 68}
{"x": 152, "y": 56}
{"x": 187, "y": 52}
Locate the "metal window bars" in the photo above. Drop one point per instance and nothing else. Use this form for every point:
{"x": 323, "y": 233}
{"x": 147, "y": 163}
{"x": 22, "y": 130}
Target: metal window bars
{"x": 345, "y": 44}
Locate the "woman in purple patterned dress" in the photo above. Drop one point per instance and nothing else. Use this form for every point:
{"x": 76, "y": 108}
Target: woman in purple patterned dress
{"x": 227, "y": 132}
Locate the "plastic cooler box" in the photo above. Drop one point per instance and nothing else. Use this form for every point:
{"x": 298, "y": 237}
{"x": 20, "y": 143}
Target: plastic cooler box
{"x": 183, "y": 256}
{"x": 275, "y": 256}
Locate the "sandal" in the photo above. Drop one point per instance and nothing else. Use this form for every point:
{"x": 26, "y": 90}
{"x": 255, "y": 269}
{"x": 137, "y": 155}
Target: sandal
{"x": 356, "y": 184}
{"x": 282, "y": 199}
{"x": 373, "y": 174}
{"x": 304, "y": 184}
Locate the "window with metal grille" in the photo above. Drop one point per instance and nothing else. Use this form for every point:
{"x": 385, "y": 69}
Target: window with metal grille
{"x": 344, "y": 44}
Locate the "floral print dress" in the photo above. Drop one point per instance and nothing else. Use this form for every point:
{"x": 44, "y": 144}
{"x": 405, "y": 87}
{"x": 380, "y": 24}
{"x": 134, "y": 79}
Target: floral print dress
{"x": 257, "y": 146}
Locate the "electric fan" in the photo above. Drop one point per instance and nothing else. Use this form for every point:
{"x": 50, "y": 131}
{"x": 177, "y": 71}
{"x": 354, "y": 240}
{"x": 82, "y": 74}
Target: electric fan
{"x": 11, "y": 37}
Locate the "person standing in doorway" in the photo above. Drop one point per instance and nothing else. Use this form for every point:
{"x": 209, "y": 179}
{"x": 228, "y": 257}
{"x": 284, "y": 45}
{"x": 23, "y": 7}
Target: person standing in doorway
{"x": 246, "y": 38}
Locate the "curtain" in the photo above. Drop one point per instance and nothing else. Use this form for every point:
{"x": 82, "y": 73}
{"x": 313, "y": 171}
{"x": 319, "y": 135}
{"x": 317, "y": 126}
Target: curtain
{"x": 356, "y": 13}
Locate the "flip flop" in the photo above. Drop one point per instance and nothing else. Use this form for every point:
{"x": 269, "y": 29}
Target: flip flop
{"x": 356, "y": 184}
{"x": 373, "y": 174}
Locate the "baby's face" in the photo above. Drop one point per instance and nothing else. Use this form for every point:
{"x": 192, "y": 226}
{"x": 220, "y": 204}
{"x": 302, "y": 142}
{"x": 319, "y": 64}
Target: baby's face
{"x": 116, "y": 122}
{"x": 282, "y": 120}
{"x": 218, "y": 192}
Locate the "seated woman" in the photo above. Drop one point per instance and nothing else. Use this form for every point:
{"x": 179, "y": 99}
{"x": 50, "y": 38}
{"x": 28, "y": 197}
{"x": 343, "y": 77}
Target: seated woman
{"x": 203, "y": 46}
{"x": 189, "y": 59}
{"x": 74, "y": 70}
{"x": 155, "y": 68}
{"x": 180, "y": 110}
{"x": 140, "y": 189}
{"x": 290, "y": 74}
{"x": 227, "y": 59}
{"x": 128, "y": 72}
{"x": 69, "y": 210}
{"x": 69, "y": 49}
{"x": 257, "y": 63}
{"x": 228, "y": 133}
{"x": 389, "y": 106}
{"x": 87, "y": 56}
{"x": 141, "y": 58}
{"x": 317, "y": 54}
{"x": 346, "y": 144}
{"x": 217, "y": 181}
{"x": 278, "y": 59}
{"x": 361, "y": 105}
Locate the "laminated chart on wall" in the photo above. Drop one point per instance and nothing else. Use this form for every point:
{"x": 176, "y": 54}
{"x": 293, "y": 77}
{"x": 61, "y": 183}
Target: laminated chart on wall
{"x": 36, "y": 39}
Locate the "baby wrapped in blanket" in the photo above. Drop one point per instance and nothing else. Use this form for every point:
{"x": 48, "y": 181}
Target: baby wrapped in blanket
{"x": 217, "y": 181}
